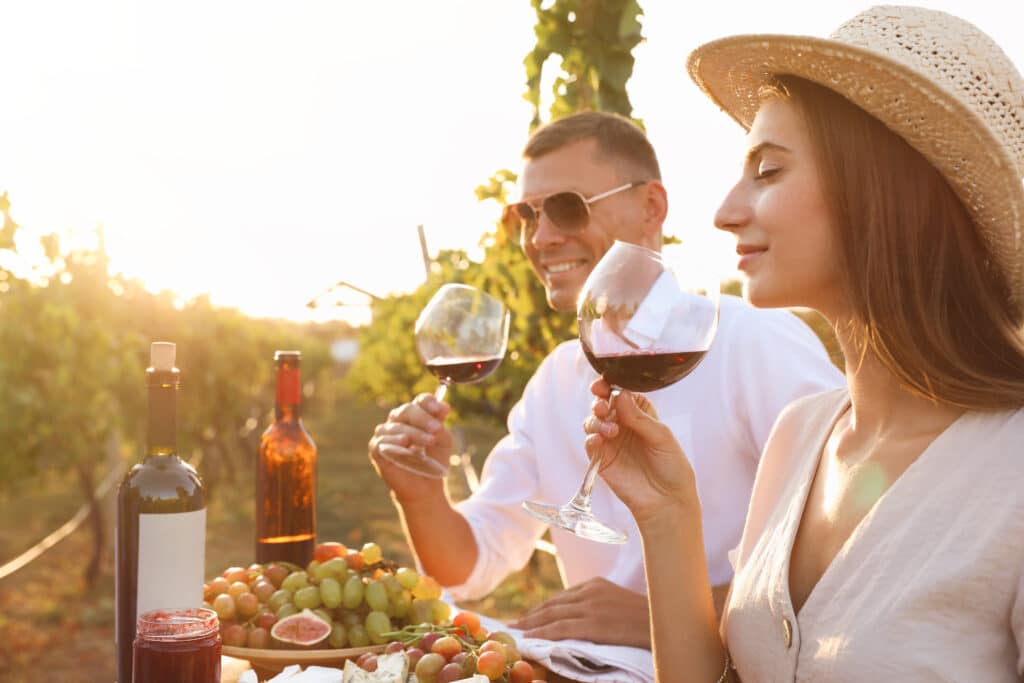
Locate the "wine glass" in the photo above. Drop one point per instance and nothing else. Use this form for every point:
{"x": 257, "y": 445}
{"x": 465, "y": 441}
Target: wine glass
{"x": 461, "y": 336}
{"x": 642, "y": 328}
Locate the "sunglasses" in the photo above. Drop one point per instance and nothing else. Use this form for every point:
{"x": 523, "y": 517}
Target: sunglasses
{"x": 569, "y": 212}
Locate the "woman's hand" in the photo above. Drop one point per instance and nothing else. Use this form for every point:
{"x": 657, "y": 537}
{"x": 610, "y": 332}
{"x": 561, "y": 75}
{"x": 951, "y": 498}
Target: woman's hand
{"x": 641, "y": 459}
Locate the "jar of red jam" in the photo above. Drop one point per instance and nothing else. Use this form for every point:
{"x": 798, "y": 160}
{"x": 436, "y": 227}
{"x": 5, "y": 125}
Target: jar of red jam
{"x": 177, "y": 646}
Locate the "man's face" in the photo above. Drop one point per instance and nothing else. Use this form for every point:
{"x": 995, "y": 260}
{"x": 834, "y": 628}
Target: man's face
{"x": 562, "y": 260}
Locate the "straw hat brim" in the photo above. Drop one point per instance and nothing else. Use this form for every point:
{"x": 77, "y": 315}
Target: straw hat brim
{"x": 936, "y": 122}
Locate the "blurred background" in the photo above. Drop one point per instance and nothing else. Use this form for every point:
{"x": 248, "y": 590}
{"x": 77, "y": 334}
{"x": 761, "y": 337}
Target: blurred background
{"x": 239, "y": 177}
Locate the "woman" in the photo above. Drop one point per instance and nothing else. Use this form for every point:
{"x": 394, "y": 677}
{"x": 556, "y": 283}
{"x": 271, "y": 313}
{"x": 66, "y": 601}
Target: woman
{"x": 885, "y": 535}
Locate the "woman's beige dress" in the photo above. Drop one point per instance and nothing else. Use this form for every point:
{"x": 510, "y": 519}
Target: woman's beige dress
{"x": 927, "y": 587}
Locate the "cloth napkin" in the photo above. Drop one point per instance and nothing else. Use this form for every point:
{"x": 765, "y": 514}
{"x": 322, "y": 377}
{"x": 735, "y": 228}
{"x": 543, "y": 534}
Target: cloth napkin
{"x": 581, "y": 660}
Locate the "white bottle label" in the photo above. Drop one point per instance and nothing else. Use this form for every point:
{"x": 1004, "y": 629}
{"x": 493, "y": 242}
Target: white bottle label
{"x": 171, "y": 560}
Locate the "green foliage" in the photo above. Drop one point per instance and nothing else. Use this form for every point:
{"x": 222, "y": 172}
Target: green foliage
{"x": 595, "y": 40}
{"x": 74, "y": 345}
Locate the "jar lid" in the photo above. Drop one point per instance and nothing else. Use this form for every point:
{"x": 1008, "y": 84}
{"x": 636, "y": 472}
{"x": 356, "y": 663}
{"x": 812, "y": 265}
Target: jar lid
{"x": 180, "y": 623}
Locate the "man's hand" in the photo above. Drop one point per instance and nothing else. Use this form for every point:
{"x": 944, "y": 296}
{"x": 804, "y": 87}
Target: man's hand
{"x": 413, "y": 425}
{"x": 596, "y": 610}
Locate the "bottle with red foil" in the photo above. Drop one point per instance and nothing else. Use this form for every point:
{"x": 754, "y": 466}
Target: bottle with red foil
{"x": 286, "y": 475}
{"x": 177, "y": 646}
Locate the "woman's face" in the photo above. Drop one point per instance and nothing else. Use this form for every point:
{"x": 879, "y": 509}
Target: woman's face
{"x": 785, "y": 235}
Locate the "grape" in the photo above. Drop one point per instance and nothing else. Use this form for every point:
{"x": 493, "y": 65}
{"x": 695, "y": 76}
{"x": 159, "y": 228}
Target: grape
{"x": 407, "y": 577}
{"x": 247, "y": 605}
{"x": 376, "y": 596}
{"x": 468, "y": 620}
{"x": 371, "y": 553}
{"x": 491, "y": 664}
{"x": 233, "y": 574}
{"x": 428, "y": 667}
{"x": 224, "y": 606}
{"x": 307, "y": 598}
{"x": 280, "y": 597}
{"x": 219, "y": 585}
{"x": 336, "y": 567}
{"x": 439, "y": 611}
{"x": 351, "y": 618}
{"x": 368, "y": 662}
{"x": 427, "y": 588}
{"x": 503, "y": 637}
{"x": 447, "y": 647}
{"x": 377, "y": 624}
{"x": 330, "y": 592}
{"x": 420, "y": 611}
{"x": 413, "y": 654}
{"x": 449, "y": 673}
{"x": 276, "y": 573}
{"x": 324, "y": 615}
{"x": 286, "y": 610}
{"x": 393, "y": 647}
{"x": 521, "y": 672}
{"x": 352, "y": 593}
{"x": 357, "y": 636}
{"x": 312, "y": 567}
{"x": 355, "y": 561}
{"x": 235, "y": 635}
{"x": 392, "y": 585}
{"x": 338, "y": 637}
{"x": 295, "y": 581}
{"x": 469, "y": 665}
{"x": 258, "y": 638}
{"x": 401, "y": 604}
{"x": 238, "y": 588}
{"x": 266, "y": 620}
{"x": 263, "y": 590}
{"x": 428, "y": 639}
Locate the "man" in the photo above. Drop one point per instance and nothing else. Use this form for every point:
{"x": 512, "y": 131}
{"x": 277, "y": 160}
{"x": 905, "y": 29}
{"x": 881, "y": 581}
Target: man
{"x": 721, "y": 414}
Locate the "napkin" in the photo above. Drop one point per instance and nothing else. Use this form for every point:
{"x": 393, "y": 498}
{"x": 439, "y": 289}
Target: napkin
{"x": 581, "y": 660}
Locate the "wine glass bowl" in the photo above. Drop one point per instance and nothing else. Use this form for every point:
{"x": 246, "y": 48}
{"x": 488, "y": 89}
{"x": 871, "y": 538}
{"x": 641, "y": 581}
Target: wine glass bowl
{"x": 461, "y": 337}
{"x": 642, "y": 327}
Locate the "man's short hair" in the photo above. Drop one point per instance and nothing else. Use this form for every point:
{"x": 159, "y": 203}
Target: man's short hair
{"x": 617, "y": 138}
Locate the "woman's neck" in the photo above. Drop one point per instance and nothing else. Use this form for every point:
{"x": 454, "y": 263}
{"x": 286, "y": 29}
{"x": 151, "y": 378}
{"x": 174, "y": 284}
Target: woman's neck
{"x": 880, "y": 407}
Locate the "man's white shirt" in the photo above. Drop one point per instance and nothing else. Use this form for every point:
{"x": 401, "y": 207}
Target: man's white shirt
{"x": 721, "y": 414}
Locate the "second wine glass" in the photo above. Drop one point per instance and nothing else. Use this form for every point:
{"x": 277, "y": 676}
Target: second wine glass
{"x": 461, "y": 336}
{"x": 642, "y": 327}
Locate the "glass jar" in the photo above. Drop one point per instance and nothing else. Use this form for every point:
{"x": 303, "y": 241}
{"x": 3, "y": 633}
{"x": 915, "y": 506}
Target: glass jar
{"x": 180, "y": 645}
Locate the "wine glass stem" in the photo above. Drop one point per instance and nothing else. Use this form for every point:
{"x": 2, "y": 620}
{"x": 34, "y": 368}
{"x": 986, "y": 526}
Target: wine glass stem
{"x": 581, "y": 501}
{"x": 441, "y": 391}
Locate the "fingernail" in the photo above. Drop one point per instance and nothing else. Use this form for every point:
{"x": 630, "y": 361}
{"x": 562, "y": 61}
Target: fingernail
{"x": 433, "y": 425}
{"x": 606, "y": 429}
{"x": 429, "y": 438}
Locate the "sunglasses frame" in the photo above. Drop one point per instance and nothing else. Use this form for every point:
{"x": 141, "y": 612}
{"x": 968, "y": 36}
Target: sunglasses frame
{"x": 517, "y": 233}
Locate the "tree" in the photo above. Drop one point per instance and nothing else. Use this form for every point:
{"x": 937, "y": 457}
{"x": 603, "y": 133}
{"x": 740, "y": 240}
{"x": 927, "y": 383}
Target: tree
{"x": 595, "y": 40}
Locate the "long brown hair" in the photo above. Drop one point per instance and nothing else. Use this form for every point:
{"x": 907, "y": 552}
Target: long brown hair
{"x": 927, "y": 299}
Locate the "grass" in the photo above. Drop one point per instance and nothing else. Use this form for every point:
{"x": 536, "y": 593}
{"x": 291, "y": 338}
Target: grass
{"x": 52, "y": 628}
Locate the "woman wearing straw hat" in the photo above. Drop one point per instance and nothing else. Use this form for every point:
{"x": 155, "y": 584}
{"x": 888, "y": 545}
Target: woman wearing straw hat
{"x": 885, "y": 535}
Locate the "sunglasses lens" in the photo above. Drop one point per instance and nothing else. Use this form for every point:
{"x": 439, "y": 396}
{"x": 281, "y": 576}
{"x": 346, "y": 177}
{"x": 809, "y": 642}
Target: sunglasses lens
{"x": 517, "y": 219}
{"x": 568, "y": 211}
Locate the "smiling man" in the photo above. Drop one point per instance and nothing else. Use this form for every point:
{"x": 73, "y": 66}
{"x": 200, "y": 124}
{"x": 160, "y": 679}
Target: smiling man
{"x": 588, "y": 180}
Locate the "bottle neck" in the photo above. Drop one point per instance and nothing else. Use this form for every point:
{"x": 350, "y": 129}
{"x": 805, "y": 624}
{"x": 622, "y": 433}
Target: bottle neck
{"x": 287, "y": 403}
{"x": 162, "y": 432}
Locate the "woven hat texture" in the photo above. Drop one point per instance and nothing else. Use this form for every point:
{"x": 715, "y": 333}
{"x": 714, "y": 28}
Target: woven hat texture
{"x": 934, "y": 79}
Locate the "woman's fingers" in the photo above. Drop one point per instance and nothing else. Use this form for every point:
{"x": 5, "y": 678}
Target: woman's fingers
{"x": 600, "y": 388}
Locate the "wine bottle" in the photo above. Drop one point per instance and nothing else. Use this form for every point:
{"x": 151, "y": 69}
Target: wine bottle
{"x": 160, "y": 540}
{"x": 286, "y": 475}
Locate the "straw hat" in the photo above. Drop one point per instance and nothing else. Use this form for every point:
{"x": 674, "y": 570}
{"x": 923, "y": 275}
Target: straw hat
{"x": 932, "y": 78}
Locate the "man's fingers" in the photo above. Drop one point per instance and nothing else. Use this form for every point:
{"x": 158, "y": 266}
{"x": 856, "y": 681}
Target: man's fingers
{"x": 428, "y": 403}
{"x": 405, "y": 434}
{"x": 577, "y": 628}
{"x": 547, "y": 613}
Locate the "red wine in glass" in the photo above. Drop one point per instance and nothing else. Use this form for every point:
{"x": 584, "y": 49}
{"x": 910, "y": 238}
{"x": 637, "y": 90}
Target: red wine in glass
{"x": 642, "y": 328}
{"x": 463, "y": 370}
{"x": 644, "y": 372}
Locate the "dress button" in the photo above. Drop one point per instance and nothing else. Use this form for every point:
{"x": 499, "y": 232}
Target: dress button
{"x": 787, "y": 632}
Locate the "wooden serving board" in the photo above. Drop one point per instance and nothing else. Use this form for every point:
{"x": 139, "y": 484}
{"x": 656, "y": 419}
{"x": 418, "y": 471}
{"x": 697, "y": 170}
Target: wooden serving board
{"x": 267, "y": 663}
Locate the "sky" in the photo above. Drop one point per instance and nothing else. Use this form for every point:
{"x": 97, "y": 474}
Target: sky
{"x": 261, "y": 151}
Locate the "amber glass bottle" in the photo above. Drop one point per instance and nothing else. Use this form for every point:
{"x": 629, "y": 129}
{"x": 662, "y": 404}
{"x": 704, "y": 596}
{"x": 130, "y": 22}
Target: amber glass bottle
{"x": 286, "y": 475}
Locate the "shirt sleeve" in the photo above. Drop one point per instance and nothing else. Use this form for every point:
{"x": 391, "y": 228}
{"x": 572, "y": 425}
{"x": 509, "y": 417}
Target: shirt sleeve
{"x": 1017, "y": 624}
{"x": 776, "y": 360}
{"x": 505, "y": 534}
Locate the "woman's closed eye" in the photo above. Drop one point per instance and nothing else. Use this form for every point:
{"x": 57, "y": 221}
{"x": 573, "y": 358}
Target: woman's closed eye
{"x": 765, "y": 171}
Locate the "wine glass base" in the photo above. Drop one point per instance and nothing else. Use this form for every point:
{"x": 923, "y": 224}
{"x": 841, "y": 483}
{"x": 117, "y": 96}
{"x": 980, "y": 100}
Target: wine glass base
{"x": 416, "y": 462}
{"x": 577, "y": 520}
